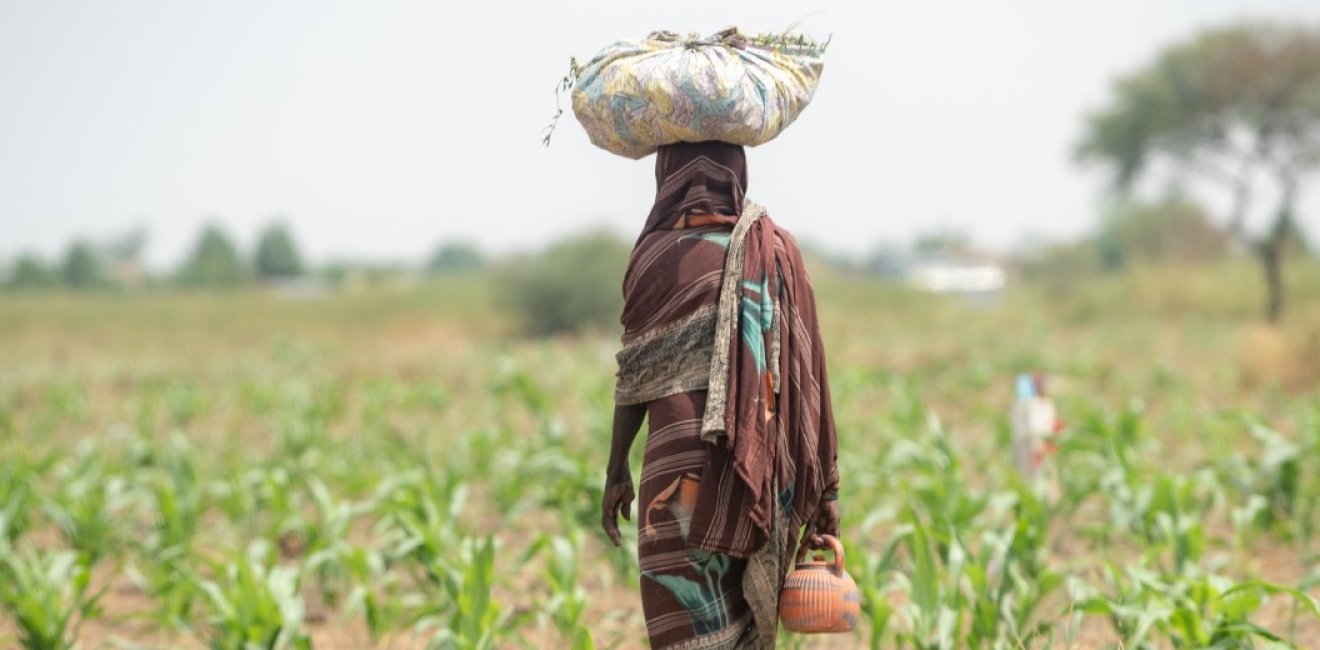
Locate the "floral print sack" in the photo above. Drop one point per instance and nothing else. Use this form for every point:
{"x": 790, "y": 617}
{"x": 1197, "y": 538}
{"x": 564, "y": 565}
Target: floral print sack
{"x": 634, "y": 96}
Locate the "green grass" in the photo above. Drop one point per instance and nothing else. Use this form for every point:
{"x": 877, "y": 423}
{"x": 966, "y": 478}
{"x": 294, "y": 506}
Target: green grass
{"x": 395, "y": 467}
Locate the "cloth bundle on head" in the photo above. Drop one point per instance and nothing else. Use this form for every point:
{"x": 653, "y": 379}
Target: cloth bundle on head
{"x": 637, "y": 95}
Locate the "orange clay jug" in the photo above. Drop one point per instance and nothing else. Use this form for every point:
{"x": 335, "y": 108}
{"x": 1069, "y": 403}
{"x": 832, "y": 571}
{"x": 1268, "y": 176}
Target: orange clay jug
{"x": 820, "y": 596}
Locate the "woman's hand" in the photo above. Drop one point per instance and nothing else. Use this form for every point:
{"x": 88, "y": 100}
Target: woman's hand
{"x": 618, "y": 478}
{"x": 826, "y": 522}
{"x": 618, "y": 500}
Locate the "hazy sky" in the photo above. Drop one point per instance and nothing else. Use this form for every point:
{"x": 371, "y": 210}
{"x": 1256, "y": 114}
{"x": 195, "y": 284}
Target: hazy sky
{"x": 379, "y": 128}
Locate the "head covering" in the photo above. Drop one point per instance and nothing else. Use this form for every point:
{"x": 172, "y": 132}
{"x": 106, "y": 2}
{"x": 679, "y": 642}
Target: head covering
{"x": 697, "y": 178}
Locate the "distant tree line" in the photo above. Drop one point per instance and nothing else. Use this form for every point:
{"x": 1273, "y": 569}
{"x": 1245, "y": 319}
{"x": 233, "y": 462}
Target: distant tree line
{"x": 215, "y": 261}
{"x": 83, "y": 266}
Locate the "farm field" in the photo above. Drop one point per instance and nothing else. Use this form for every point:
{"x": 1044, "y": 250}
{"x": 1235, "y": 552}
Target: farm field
{"x": 394, "y": 468}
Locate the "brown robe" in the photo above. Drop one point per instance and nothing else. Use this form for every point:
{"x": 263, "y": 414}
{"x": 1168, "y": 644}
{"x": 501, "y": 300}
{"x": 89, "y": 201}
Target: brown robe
{"x": 721, "y": 342}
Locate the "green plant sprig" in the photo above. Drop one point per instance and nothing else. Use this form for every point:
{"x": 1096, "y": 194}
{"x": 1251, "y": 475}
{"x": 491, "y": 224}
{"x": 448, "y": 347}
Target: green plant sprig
{"x": 565, "y": 85}
{"x": 792, "y": 43}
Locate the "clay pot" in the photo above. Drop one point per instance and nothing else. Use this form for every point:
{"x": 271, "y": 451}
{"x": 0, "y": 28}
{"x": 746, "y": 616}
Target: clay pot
{"x": 820, "y": 596}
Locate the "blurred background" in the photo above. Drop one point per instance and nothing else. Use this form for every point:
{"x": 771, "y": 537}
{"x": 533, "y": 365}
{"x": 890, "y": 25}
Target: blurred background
{"x": 310, "y": 267}
{"x": 377, "y": 135}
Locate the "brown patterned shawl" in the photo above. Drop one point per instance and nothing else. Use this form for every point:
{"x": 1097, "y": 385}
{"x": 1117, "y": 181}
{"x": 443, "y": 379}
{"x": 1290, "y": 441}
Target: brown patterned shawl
{"x": 722, "y": 303}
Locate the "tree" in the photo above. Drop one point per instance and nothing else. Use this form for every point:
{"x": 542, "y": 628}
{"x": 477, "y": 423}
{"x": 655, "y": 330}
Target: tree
{"x": 30, "y": 272}
{"x": 455, "y": 257}
{"x": 82, "y": 268}
{"x": 571, "y": 286}
{"x": 277, "y": 256}
{"x": 214, "y": 261}
{"x": 1235, "y": 107}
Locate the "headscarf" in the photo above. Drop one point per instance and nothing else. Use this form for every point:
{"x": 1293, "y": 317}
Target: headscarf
{"x": 697, "y": 178}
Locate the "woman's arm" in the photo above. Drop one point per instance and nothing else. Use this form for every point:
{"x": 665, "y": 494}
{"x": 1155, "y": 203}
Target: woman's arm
{"x": 619, "y": 493}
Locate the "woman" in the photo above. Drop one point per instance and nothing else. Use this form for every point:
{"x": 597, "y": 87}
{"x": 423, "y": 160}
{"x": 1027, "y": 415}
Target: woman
{"x": 722, "y": 356}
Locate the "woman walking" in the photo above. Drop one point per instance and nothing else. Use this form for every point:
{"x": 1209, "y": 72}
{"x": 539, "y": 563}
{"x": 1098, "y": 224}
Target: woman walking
{"x": 722, "y": 356}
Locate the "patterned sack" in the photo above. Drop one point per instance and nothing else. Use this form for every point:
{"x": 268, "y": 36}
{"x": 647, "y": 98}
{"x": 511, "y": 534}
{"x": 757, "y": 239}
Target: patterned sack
{"x": 637, "y": 95}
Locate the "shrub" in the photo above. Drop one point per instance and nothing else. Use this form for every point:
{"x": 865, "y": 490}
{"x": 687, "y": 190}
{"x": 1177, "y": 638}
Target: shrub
{"x": 1173, "y": 230}
{"x": 455, "y": 257}
{"x": 30, "y": 272}
{"x": 572, "y": 286}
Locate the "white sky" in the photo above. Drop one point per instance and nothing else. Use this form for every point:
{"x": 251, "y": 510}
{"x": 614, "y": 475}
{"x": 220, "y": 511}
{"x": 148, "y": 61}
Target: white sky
{"x": 378, "y": 129}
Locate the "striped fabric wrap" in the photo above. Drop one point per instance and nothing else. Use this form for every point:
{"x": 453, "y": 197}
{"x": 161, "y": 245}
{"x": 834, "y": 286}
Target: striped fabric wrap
{"x": 722, "y": 345}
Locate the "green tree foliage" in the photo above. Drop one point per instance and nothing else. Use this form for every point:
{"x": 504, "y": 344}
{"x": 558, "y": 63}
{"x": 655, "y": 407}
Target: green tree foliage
{"x": 30, "y": 272}
{"x": 82, "y": 268}
{"x": 456, "y": 257}
{"x": 277, "y": 255}
{"x": 1237, "y": 106}
{"x": 573, "y": 285}
{"x": 214, "y": 261}
{"x": 1173, "y": 230}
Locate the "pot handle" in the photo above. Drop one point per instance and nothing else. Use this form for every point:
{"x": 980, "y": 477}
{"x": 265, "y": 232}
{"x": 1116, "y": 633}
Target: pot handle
{"x": 834, "y": 545}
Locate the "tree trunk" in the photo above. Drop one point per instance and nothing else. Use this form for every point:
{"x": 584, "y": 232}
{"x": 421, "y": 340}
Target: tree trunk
{"x": 1273, "y": 248}
{"x": 1271, "y": 257}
